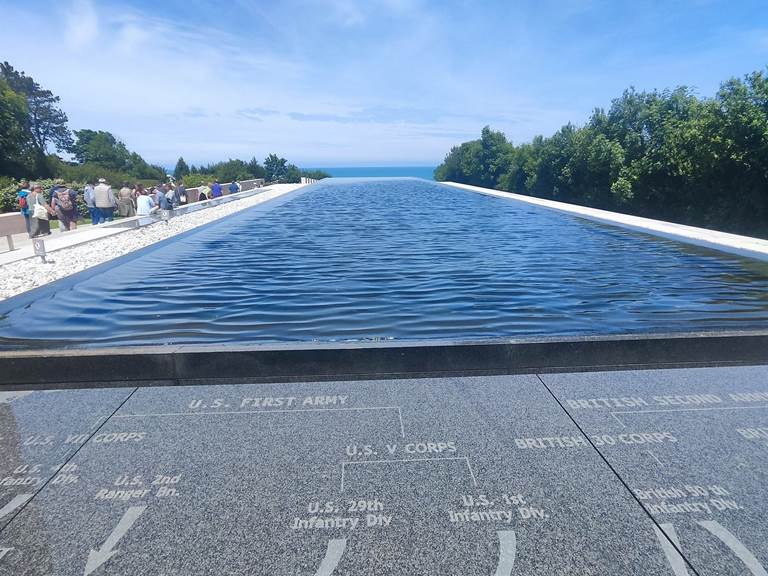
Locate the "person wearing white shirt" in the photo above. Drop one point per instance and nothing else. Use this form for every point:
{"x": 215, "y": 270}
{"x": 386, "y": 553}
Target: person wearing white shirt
{"x": 144, "y": 204}
{"x": 104, "y": 200}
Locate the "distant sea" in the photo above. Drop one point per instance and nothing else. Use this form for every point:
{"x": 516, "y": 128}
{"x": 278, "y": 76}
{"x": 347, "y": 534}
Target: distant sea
{"x": 426, "y": 172}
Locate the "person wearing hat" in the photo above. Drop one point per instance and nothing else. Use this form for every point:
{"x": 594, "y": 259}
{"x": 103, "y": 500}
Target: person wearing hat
{"x": 104, "y": 200}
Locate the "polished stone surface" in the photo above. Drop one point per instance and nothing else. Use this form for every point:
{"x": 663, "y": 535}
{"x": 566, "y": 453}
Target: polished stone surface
{"x": 39, "y": 432}
{"x": 366, "y": 360}
{"x": 430, "y": 477}
{"x": 693, "y": 446}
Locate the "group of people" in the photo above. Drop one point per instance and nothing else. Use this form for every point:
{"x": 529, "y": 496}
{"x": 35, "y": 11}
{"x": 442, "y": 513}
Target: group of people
{"x": 60, "y": 202}
{"x": 136, "y": 200}
{"x": 215, "y": 190}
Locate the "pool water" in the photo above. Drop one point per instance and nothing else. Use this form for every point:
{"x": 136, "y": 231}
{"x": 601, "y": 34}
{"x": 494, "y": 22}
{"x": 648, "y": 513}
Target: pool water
{"x": 395, "y": 259}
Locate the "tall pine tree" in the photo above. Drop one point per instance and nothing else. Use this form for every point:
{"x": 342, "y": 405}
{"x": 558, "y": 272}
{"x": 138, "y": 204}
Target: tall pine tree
{"x": 181, "y": 169}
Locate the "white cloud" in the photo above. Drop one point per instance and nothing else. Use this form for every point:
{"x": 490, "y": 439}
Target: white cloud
{"x": 167, "y": 90}
{"x": 81, "y": 24}
{"x": 338, "y": 80}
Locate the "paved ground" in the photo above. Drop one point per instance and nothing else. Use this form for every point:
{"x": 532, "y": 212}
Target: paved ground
{"x": 22, "y": 240}
{"x": 56, "y": 241}
{"x": 615, "y": 473}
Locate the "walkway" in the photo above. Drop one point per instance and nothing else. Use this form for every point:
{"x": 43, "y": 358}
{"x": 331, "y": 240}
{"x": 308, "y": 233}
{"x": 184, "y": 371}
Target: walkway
{"x": 87, "y": 232}
{"x": 643, "y": 473}
{"x": 56, "y": 241}
{"x": 73, "y": 252}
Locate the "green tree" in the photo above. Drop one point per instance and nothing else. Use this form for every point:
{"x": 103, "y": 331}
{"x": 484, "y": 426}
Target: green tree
{"x": 481, "y": 162}
{"x": 292, "y": 174}
{"x": 105, "y": 150}
{"x": 275, "y": 167}
{"x": 14, "y": 137}
{"x": 181, "y": 169}
{"x": 231, "y": 170}
{"x": 100, "y": 148}
{"x": 140, "y": 168}
{"x": 46, "y": 122}
{"x": 255, "y": 169}
{"x": 461, "y": 164}
{"x": 663, "y": 154}
{"x": 315, "y": 174}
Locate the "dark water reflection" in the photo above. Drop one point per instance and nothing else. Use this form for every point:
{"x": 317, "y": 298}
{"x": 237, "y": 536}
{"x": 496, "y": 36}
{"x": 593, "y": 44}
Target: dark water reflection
{"x": 403, "y": 259}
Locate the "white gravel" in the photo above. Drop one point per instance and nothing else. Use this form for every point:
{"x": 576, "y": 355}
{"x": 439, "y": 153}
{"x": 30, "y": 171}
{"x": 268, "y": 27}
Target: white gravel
{"x": 24, "y": 275}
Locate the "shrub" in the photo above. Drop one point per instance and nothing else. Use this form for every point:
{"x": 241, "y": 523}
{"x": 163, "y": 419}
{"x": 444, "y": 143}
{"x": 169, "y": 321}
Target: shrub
{"x": 9, "y": 202}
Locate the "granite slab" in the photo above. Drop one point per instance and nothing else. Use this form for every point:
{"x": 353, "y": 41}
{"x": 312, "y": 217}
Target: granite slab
{"x": 692, "y": 444}
{"x": 190, "y": 364}
{"x": 451, "y": 476}
{"x": 39, "y": 432}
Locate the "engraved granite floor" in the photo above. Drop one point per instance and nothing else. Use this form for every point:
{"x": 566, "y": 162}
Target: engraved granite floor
{"x": 614, "y": 473}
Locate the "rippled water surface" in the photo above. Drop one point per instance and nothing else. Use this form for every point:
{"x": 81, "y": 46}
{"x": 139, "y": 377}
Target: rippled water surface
{"x": 402, "y": 259}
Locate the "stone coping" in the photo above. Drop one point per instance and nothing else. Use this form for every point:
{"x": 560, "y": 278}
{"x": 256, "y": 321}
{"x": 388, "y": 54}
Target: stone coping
{"x": 295, "y": 362}
{"x": 731, "y": 243}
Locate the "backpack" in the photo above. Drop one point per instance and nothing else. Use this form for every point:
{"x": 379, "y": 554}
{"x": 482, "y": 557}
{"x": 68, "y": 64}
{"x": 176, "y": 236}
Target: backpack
{"x": 23, "y": 203}
{"x": 64, "y": 200}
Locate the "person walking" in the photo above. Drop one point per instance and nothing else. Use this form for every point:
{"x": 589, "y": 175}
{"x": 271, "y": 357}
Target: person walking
{"x": 41, "y": 212}
{"x": 64, "y": 204}
{"x": 22, "y": 198}
{"x": 125, "y": 205}
{"x": 104, "y": 200}
{"x": 216, "y": 189}
{"x": 234, "y": 187}
{"x": 90, "y": 202}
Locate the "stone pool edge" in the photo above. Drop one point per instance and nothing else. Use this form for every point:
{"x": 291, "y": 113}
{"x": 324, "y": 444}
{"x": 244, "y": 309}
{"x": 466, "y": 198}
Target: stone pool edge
{"x": 298, "y": 362}
{"x": 50, "y": 286}
{"x": 747, "y": 246}
{"x": 29, "y": 277}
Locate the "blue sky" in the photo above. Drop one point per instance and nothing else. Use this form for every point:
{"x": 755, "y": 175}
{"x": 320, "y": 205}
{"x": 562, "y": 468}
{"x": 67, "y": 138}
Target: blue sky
{"x": 380, "y": 82}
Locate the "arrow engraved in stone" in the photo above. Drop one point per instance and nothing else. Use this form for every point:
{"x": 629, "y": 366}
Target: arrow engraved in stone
{"x": 16, "y": 501}
{"x": 667, "y": 536}
{"x": 98, "y": 557}
{"x": 332, "y": 556}
{"x": 741, "y": 551}
{"x": 507, "y": 552}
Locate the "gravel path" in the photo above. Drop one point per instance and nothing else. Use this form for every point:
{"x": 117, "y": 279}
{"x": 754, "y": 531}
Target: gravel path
{"x": 24, "y": 275}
